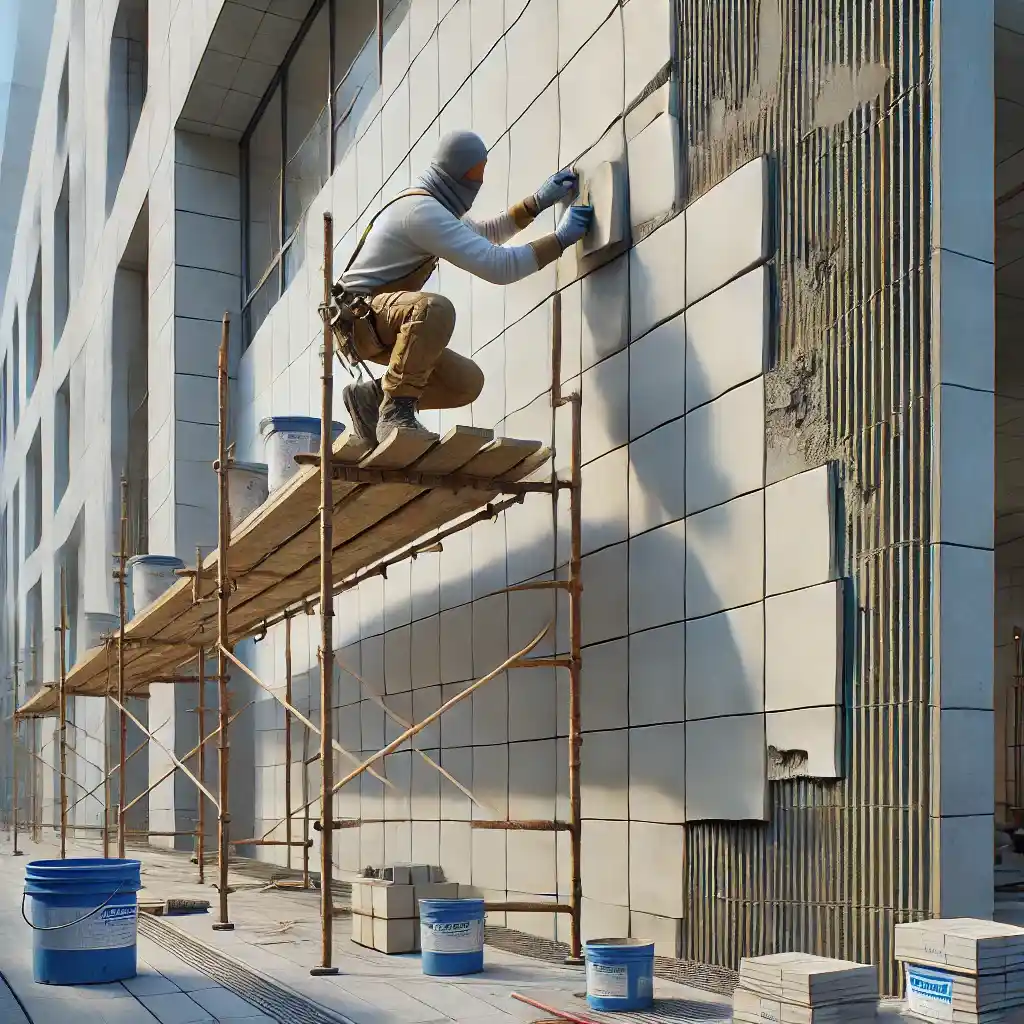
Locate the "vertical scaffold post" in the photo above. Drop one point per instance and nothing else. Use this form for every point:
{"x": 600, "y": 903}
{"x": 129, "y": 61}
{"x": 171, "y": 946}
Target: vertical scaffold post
{"x": 106, "y": 757}
{"x": 223, "y": 596}
{"x": 326, "y": 617}
{"x": 15, "y": 723}
{"x": 122, "y": 717}
{"x": 288, "y": 738}
{"x": 197, "y": 593}
{"x": 63, "y": 697}
{"x": 33, "y": 745}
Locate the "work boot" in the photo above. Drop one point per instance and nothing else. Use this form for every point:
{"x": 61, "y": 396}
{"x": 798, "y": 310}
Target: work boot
{"x": 398, "y": 414}
{"x": 362, "y": 401}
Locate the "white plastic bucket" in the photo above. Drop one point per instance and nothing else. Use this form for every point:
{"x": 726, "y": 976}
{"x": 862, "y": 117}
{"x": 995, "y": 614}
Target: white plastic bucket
{"x": 97, "y": 625}
{"x": 149, "y": 576}
{"x": 284, "y": 437}
{"x": 247, "y": 489}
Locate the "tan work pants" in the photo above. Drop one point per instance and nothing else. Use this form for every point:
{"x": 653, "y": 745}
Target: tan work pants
{"x": 414, "y": 328}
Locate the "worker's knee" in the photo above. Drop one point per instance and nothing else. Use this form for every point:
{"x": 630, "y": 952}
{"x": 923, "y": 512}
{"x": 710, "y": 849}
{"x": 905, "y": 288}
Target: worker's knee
{"x": 439, "y": 314}
{"x": 471, "y": 383}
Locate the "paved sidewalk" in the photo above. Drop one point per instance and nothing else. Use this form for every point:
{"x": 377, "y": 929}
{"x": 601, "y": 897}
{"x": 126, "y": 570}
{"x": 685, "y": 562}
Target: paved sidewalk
{"x": 277, "y": 935}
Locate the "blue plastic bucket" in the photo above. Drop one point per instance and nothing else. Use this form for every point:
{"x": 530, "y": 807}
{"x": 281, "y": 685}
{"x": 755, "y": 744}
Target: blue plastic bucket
{"x": 83, "y": 915}
{"x": 620, "y": 974}
{"x": 284, "y": 437}
{"x": 452, "y": 937}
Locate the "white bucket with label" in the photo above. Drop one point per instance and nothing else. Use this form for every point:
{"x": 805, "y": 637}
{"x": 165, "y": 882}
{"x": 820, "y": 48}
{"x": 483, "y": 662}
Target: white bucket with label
{"x": 148, "y": 577}
{"x": 247, "y": 489}
{"x": 97, "y": 626}
{"x": 284, "y": 437}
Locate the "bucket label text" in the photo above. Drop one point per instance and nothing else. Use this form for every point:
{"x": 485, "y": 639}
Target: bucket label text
{"x": 451, "y": 936}
{"x": 607, "y": 981}
{"x": 110, "y": 928}
{"x": 929, "y": 993}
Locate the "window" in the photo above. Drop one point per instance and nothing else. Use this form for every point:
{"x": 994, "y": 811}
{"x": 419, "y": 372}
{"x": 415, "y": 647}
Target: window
{"x": 62, "y": 259}
{"x": 62, "y": 108}
{"x": 34, "y": 330}
{"x": 303, "y": 127}
{"x": 128, "y": 82}
{"x": 34, "y": 495}
{"x": 61, "y": 441}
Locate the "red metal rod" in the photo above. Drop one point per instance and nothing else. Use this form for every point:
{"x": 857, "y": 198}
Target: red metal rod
{"x": 564, "y": 1014}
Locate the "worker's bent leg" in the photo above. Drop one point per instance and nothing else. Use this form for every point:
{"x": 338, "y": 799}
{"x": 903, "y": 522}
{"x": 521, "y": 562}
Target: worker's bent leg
{"x": 421, "y": 325}
{"x": 455, "y": 382}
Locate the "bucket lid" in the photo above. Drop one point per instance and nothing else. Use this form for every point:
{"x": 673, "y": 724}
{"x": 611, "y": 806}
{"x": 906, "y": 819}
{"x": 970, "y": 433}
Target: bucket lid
{"x": 634, "y": 944}
{"x": 156, "y": 560}
{"x": 298, "y": 424}
{"x": 249, "y": 467}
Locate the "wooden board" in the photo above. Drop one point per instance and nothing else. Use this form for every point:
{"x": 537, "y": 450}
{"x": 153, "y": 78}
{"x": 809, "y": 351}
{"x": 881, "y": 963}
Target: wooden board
{"x": 274, "y": 556}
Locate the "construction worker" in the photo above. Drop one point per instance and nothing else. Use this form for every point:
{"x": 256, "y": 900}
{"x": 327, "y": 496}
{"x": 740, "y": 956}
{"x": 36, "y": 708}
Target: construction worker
{"x": 386, "y": 318}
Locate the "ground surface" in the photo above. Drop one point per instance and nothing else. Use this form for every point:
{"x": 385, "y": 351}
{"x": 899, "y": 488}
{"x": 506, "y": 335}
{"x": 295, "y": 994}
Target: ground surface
{"x": 277, "y": 939}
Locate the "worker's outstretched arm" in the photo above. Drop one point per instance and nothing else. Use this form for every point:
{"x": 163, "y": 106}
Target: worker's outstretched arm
{"x": 558, "y": 187}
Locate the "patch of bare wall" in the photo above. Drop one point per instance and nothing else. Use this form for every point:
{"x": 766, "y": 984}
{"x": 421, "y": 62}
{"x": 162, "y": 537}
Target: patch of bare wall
{"x": 838, "y": 95}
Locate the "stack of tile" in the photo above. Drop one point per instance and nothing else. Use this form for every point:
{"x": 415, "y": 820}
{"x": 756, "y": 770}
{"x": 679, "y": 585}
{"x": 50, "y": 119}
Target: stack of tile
{"x": 963, "y": 970}
{"x": 799, "y": 988}
{"x": 385, "y": 910}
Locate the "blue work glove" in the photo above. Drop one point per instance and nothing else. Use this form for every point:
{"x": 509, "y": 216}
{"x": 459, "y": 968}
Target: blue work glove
{"x": 558, "y": 187}
{"x": 574, "y": 225}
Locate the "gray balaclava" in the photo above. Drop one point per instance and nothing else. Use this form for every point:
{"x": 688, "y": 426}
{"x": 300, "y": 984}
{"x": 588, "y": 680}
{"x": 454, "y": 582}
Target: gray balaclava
{"x": 456, "y": 155}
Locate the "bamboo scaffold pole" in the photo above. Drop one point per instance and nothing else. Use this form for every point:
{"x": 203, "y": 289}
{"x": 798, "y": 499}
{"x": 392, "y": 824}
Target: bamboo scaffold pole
{"x": 62, "y": 630}
{"x": 222, "y": 923}
{"x": 288, "y": 738}
{"x": 33, "y": 743}
{"x": 15, "y": 723}
{"x": 106, "y": 760}
{"x": 197, "y": 593}
{"x": 123, "y": 716}
{"x": 327, "y": 616}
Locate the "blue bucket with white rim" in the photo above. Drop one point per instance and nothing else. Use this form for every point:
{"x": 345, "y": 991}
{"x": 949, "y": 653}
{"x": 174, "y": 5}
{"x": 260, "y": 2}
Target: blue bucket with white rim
{"x": 452, "y": 937}
{"x": 284, "y": 437}
{"x": 83, "y": 913}
{"x": 149, "y": 577}
{"x": 620, "y": 974}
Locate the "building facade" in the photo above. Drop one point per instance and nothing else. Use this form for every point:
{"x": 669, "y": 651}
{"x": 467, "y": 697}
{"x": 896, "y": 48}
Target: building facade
{"x": 788, "y": 377}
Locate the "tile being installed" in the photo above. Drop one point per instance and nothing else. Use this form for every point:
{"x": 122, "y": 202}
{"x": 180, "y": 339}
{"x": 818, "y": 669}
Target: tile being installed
{"x": 657, "y": 377}
{"x": 799, "y": 527}
{"x": 725, "y": 663}
{"x": 657, "y": 581}
{"x": 725, "y": 447}
{"x": 727, "y": 338}
{"x": 725, "y": 556}
{"x": 729, "y": 230}
{"x": 804, "y": 743}
{"x": 657, "y": 277}
{"x": 657, "y": 767}
{"x": 657, "y": 478}
{"x": 725, "y": 769}
{"x": 804, "y": 648}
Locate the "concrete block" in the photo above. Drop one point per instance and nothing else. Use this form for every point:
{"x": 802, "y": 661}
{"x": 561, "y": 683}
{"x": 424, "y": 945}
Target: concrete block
{"x": 657, "y": 477}
{"x": 657, "y": 768}
{"x": 656, "y": 868}
{"x": 605, "y": 412}
{"x": 654, "y": 170}
{"x": 648, "y": 30}
{"x": 657, "y": 582}
{"x": 725, "y": 556}
{"x": 725, "y": 769}
{"x": 729, "y": 229}
{"x": 804, "y": 743}
{"x": 727, "y": 338}
{"x": 725, "y": 658}
{"x": 799, "y": 526}
{"x": 725, "y": 447}
{"x": 605, "y": 775}
{"x": 605, "y": 510}
{"x": 395, "y": 936}
{"x": 605, "y": 860}
{"x": 605, "y": 574}
{"x": 391, "y": 900}
{"x": 809, "y": 622}
{"x": 532, "y": 44}
{"x": 657, "y": 277}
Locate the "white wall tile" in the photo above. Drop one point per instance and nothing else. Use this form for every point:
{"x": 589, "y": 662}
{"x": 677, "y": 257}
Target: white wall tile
{"x": 456, "y": 644}
{"x": 604, "y": 703}
{"x": 422, "y": 22}
{"x": 799, "y": 525}
{"x": 605, "y": 406}
{"x": 657, "y": 377}
{"x": 809, "y": 622}
{"x": 426, "y": 701}
{"x": 531, "y": 863}
{"x": 487, "y": 25}
{"x": 725, "y": 663}
{"x": 657, "y": 277}
{"x": 490, "y": 87}
{"x": 426, "y": 652}
{"x": 657, "y": 767}
{"x": 804, "y": 743}
{"x": 369, "y": 164}
{"x": 532, "y": 704}
{"x": 532, "y": 55}
{"x": 725, "y": 556}
{"x": 489, "y": 408}
{"x": 657, "y": 667}
{"x": 728, "y": 229}
{"x": 599, "y": 920}
{"x": 527, "y": 347}
{"x": 591, "y": 90}
{"x": 604, "y": 305}
{"x": 532, "y": 780}
{"x": 648, "y": 32}
{"x": 657, "y": 477}
{"x": 458, "y": 762}
{"x": 605, "y": 866}
{"x": 727, "y": 338}
{"x": 654, "y": 170}
{"x": 605, "y": 578}
{"x": 657, "y": 580}
{"x": 963, "y": 320}
{"x": 605, "y": 775}
{"x": 963, "y": 875}
{"x": 725, "y": 447}
{"x": 489, "y": 859}
{"x": 961, "y": 756}
{"x": 578, "y": 20}
{"x": 395, "y": 128}
{"x": 605, "y": 507}
{"x": 656, "y": 868}
{"x": 725, "y": 769}
{"x": 454, "y": 50}
{"x": 664, "y": 932}
{"x": 424, "y": 89}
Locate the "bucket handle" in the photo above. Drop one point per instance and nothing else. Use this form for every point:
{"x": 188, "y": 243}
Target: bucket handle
{"x": 69, "y": 924}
